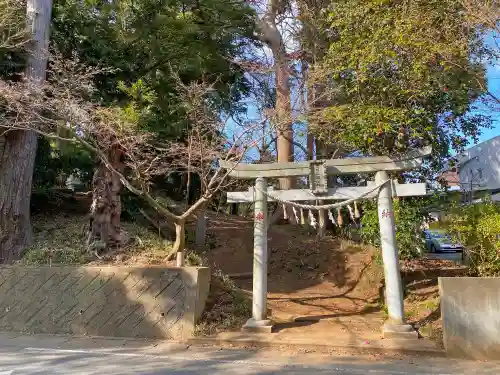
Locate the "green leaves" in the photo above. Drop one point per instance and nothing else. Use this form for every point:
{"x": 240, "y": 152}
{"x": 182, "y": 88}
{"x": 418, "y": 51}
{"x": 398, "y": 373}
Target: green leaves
{"x": 409, "y": 216}
{"x": 399, "y": 69}
{"x": 477, "y": 227}
{"x": 148, "y": 42}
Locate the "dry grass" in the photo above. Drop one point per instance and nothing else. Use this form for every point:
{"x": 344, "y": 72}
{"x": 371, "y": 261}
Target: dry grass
{"x": 423, "y": 310}
{"x": 60, "y": 239}
{"x": 227, "y": 307}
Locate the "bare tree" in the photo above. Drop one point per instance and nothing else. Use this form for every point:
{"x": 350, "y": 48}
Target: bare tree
{"x": 60, "y": 109}
{"x": 485, "y": 13}
{"x": 13, "y": 33}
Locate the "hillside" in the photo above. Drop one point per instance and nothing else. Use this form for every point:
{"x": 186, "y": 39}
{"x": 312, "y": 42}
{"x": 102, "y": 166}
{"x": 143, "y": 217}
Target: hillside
{"x": 322, "y": 281}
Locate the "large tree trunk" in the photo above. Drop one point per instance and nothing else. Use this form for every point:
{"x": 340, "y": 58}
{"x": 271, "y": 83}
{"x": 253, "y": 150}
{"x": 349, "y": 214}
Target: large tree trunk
{"x": 16, "y": 174}
{"x": 283, "y": 108}
{"x": 284, "y": 127}
{"x": 105, "y": 212}
{"x": 17, "y": 154}
{"x": 310, "y": 146}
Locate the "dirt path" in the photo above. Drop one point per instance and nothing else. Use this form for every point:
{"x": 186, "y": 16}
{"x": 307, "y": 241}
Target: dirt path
{"x": 310, "y": 280}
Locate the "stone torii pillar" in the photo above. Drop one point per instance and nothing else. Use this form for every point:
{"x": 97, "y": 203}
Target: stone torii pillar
{"x": 396, "y": 324}
{"x": 259, "y": 321}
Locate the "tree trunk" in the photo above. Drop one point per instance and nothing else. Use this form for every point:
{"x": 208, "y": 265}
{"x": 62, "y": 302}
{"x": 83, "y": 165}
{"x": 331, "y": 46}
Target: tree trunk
{"x": 16, "y": 174}
{"x": 310, "y": 146}
{"x": 201, "y": 231}
{"x": 284, "y": 127}
{"x": 17, "y": 154}
{"x": 283, "y": 107}
{"x": 115, "y": 238}
{"x": 100, "y": 215}
{"x": 180, "y": 241}
{"x": 105, "y": 212}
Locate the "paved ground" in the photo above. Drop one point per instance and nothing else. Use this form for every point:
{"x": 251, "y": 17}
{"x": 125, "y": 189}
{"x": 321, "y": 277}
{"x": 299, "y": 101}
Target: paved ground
{"x": 353, "y": 333}
{"x": 61, "y": 355}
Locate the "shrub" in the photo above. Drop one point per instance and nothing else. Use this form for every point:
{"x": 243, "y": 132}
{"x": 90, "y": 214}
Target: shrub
{"x": 477, "y": 227}
{"x": 409, "y": 215}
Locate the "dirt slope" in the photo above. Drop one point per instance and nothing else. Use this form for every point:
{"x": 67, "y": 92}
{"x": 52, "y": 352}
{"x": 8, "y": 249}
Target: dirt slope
{"x": 307, "y": 276}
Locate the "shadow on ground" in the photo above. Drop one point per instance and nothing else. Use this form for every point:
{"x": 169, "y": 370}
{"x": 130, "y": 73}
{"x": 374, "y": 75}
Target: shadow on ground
{"x": 105, "y": 357}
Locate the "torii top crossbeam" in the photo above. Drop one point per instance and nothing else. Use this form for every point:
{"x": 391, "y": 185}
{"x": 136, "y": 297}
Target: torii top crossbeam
{"x": 351, "y": 165}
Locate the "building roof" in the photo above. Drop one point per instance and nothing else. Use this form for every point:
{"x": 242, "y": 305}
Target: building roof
{"x": 476, "y": 150}
{"x": 470, "y": 153}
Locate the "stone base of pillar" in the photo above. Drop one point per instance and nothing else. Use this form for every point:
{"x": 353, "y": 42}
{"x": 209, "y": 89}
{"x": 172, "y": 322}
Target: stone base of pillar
{"x": 399, "y": 331}
{"x": 258, "y": 326}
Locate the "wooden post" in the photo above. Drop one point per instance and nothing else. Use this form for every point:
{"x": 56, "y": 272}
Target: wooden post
{"x": 321, "y": 222}
{"x": 259, "y": 322}
{"x": 201, "y": 230}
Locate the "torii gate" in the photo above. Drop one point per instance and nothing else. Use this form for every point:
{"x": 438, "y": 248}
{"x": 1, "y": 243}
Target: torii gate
{"x": 318, "y": 171}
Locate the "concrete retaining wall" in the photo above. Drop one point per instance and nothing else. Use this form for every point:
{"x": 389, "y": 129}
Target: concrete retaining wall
{"x": 150, "y": 302}
{"x": 470, "y": 308}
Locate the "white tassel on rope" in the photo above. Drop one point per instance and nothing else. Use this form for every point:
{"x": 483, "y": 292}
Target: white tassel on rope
{"x": 302, "y": 217}
{"x": 340, "y": 221}
{"x": 327, "y": 206}
{"x": 351, "y": 212}
{"x": 331, "y": 218}
{"x": 285, "y": 212}
{"x": 312, "y": 220}
{"x": 357, "y": 215}
{"x": 296, "y": 215}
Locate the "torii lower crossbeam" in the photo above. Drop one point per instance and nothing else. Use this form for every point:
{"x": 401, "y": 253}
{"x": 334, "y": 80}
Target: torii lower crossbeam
{"x": 341, "y": 193}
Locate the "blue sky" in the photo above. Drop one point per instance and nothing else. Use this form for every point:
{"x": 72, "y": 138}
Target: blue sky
{"x": 493, "y": 78}
{"x": 493, "y": 75}
{"x": 492, "y": 41}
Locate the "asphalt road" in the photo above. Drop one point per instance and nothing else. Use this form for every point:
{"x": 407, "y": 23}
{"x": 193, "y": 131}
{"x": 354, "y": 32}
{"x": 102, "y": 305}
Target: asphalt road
{"x": 38, "y": 355}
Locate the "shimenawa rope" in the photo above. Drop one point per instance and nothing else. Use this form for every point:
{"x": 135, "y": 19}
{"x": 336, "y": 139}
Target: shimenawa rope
{"x": 324, "y": 206}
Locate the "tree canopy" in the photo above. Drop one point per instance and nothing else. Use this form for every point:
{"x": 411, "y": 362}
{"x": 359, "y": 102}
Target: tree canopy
{"x": 149, "y": 41}
{"x": 371, "y": 77}
{"x": 398, "y": 74}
